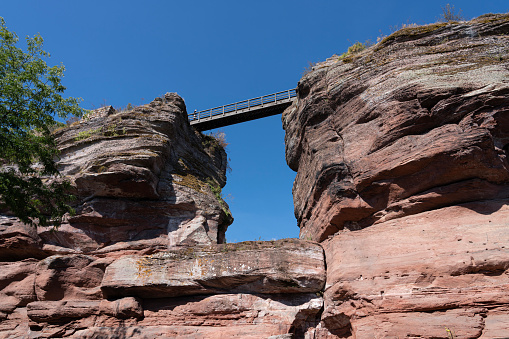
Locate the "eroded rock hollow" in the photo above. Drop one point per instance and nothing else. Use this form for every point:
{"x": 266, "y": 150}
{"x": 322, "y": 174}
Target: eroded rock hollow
{"x": 402, "y": 176}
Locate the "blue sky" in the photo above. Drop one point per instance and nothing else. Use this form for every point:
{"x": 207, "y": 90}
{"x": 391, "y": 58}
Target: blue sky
{"x": 213, "y": 53}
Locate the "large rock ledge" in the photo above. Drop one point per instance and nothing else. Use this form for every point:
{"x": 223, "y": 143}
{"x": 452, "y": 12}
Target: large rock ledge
{"x": 283, "y": 266}
{"x": 58, "y": 311}
{"x": 245, "y": 290}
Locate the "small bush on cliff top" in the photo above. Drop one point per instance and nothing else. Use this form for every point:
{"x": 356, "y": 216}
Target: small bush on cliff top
{"x": 220, "y": 137}
{"x": 214, "y": 139}
{"x": 355, "y": 48}
{"x": 449, "y": 14}
{"x": 309, "y": 68}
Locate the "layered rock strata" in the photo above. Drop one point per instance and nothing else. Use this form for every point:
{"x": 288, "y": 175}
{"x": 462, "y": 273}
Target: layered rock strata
{"x": 143, "y": 255}
{"x": 402, "y": 175}
{"x": 245, "y": 290}
{"x": 285, "y": 266}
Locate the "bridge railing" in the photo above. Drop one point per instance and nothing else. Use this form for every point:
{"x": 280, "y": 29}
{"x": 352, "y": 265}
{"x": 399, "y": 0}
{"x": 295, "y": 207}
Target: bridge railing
{"x": 249, "y": 103}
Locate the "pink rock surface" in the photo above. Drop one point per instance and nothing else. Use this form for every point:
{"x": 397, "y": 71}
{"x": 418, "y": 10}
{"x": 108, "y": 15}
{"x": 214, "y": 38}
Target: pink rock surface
{"x": 401, "y": 128}
{"x": 18, "y": 241}
{"x": 219, "y": 316}
{"x": 16, "y": 285}
{"x": 147, "y": 225}
{"x": 66, "y": 277}
{"x": 403, "y": 178}
{"x": 450, "y": 259}
{"x": 61, "y": 311}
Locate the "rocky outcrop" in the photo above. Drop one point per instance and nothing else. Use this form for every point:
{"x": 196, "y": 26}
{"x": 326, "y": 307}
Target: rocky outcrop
{"x": 144, "y": 177}
{"x": 422, "y": 273}
{"x": 402, "y": 175}
{"x": 144, "y": 256}
{"x": 218, "y": 316}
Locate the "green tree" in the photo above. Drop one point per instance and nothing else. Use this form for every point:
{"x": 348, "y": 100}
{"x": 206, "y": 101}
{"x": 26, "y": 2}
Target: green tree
{"x": 30, "y": 100}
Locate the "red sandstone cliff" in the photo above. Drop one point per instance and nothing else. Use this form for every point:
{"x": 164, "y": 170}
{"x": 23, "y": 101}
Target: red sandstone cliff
{"x": 402, "y": 175}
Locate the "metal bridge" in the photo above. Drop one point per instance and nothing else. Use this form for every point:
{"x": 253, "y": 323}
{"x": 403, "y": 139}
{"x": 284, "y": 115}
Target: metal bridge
{"x": 242, "y": 111}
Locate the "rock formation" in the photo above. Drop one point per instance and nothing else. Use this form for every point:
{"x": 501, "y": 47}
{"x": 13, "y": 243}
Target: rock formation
{"x": 401, "y": 196}
{"x": 143, "y": 255}
{"x": 143, "y": 175}
{"x": 402, "y": 175}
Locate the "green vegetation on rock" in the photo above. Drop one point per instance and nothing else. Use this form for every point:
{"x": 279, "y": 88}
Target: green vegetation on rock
{"x": 354, "y": 49}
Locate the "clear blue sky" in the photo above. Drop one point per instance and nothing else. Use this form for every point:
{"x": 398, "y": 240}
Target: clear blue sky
{"x": 213, "y": 53}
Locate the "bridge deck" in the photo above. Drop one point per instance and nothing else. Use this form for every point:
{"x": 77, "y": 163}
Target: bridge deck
{"x": 242, "y": 111}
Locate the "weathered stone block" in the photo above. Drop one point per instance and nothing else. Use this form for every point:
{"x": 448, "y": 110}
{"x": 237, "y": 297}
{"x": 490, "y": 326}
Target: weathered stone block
{"x": 283, "y": 266}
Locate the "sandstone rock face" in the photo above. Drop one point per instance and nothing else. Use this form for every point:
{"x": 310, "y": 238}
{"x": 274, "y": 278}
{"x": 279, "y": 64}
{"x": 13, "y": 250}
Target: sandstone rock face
{"x": 69, "y": 277}
{"x": 219, "y": 316}
{"x": 366, "y": 135}
{"x": 402, "y": 174}
{"x": 143, "y": 256}
{"x": 403, "y": 182}
{"x": 421, "y": 273}
{"x": 18, "y": 241}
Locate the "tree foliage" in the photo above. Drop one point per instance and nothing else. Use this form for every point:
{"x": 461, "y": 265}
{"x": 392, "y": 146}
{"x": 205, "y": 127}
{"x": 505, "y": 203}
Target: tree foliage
{"x": 30, "y": 99}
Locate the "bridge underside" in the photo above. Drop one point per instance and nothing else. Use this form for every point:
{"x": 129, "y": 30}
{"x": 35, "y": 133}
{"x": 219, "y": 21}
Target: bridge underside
{"x": 235, "y": 117}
